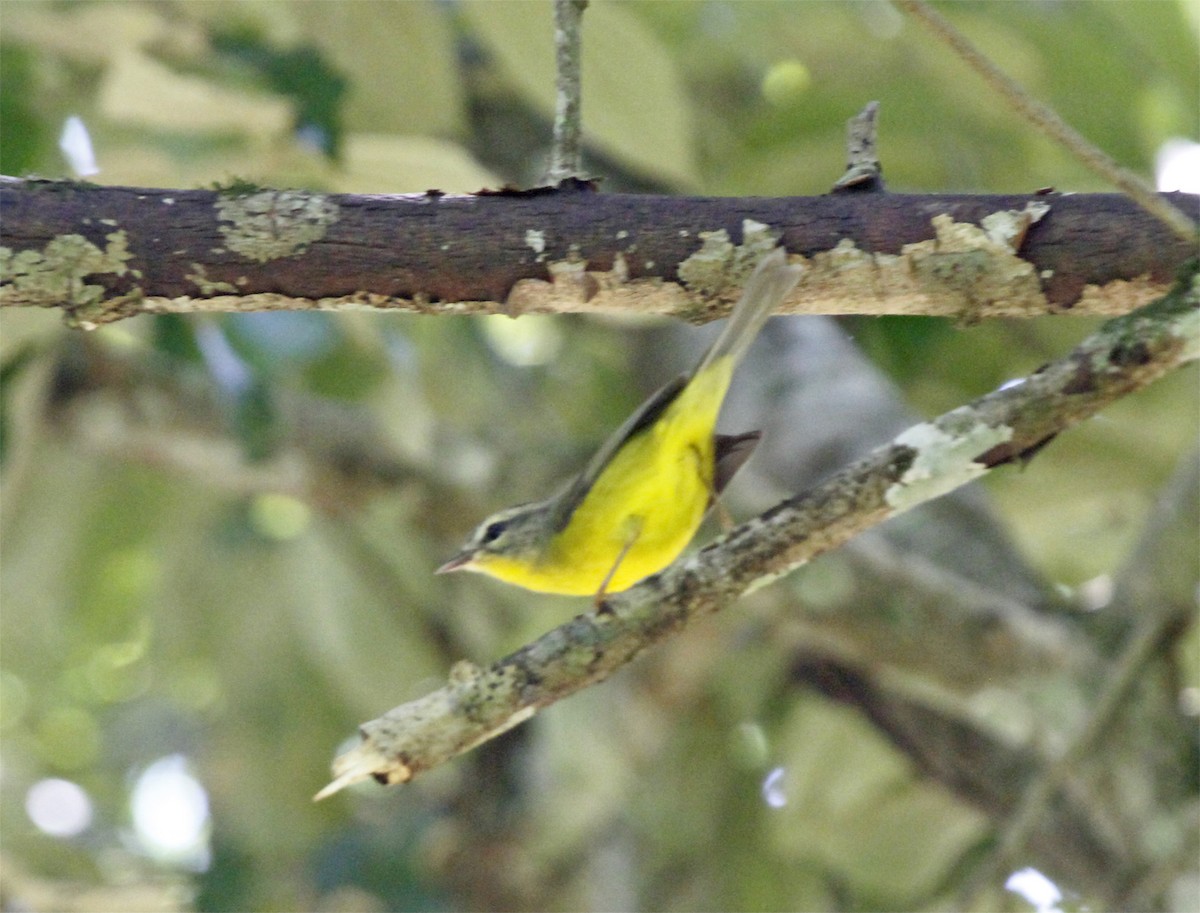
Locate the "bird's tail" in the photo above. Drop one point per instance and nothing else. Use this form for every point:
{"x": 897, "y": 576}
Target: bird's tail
{"x": 766, "y": 288}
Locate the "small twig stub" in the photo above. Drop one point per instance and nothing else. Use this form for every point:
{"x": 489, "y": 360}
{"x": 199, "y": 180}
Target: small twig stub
{"x": 863, "y": 171}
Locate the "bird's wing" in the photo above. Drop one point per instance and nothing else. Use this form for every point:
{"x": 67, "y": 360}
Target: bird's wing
{"x": 642, "y": 418}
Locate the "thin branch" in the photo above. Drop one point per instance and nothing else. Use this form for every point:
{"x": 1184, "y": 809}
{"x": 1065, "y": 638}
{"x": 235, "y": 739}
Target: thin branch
{"x": 1156, "y": 589}
{"x": 1158, "y": 578}
{"x": 949, "y": 613}
{"x": 926, "y": 461}
{"x": 1016, "y": 833}
{"x": 1046, "y": 120}
{"x": 987, "y": 770}
{"x": 565, "y": 158}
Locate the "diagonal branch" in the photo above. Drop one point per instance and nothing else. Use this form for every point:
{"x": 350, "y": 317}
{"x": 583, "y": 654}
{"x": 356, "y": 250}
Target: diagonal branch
{"x": 924, "y": 462}
{"x": 1046, "y": 120}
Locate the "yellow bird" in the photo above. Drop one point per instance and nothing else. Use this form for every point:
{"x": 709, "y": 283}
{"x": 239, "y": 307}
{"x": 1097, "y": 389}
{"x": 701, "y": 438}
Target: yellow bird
{"x": 642, "y": 497}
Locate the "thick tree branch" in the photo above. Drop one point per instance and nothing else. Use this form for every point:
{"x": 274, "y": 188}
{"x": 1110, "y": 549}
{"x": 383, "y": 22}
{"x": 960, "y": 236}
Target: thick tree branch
{"x": 924, "y": 462}
{"x": 104, "y": 253}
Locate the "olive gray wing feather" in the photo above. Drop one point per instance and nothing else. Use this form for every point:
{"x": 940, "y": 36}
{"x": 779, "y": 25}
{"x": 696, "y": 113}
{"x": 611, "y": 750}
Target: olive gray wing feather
{"x": 643, "y": 417}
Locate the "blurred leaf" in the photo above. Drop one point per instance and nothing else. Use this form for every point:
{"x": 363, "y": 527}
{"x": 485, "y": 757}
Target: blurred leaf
{"x": 902, "y": 346}
{"x": 16, "y": 362}
{"x": 302, "y": 74}
{"x": 380, "y": 163}
{"x": 229, "y": 883}
{"x": 199, "y": 160}
{"x": 272, "y": 340}
{"x": 256, "y": 420}
{"x": 71, "y": 30}
{"x": 306, "y": 346}
{"x": 116, "y": 567}
{"x": 635, "y": 107}
{"x": 400, "y": 60}
{"x": 1092, "y": 48}
{"x": 849, "y": 816}
{"x": 140, "y": 91}
{"x": 349, "y": 371}
{"x": 25, "y": 134}
{"x": 173, "y": 336}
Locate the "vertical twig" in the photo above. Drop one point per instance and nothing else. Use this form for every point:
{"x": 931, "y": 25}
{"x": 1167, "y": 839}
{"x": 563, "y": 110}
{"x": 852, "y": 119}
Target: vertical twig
{"x": 863, "y": 172}
{"x": 568, "y": 128}
{"x": 1046, "y": 120}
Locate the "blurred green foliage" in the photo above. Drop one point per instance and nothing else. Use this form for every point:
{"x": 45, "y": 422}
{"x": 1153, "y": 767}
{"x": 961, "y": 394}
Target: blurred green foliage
{"x": 301, "y": 74}
{"x": 23, "y": 139}
{"x": 219, "y": 533}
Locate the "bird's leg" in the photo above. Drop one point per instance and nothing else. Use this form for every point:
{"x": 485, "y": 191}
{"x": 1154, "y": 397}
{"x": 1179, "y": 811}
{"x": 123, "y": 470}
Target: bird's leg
{"x": 724, "y": 517}
{"x": 635, "y": 530}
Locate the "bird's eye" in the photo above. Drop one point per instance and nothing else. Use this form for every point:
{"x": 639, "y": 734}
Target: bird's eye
{"x": 493, "y": 531}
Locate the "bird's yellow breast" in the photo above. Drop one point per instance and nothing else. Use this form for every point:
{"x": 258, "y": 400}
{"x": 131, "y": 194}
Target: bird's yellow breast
{"x": 648, "y": 501}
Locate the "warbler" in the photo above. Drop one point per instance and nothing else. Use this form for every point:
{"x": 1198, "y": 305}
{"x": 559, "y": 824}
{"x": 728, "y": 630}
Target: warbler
{"x": 642, "y": 497}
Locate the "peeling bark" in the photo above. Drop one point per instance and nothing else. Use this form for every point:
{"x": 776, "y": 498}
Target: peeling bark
{"x": 104, "y": 253}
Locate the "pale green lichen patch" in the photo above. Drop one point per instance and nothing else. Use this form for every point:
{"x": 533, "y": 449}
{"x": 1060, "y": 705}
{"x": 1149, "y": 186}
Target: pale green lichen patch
{"x": 54, "y": 276}
{"x": 465, "y": 672}
{"x": 944, "y": 460}
{"x": 274, "y": 223}
{"x": 208, "y": 287}
{"x": 720, "y": 267}
{"x": 966, "y": 270}
{"x": 704, "y": 272}
{"x": 981, "y": 264}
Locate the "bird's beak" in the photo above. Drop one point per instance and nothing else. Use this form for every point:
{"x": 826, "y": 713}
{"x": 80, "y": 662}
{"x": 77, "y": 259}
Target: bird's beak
{"x": 457, "y": 563}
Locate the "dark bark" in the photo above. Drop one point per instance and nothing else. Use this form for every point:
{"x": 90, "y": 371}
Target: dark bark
{"x": 416, "y": 251}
